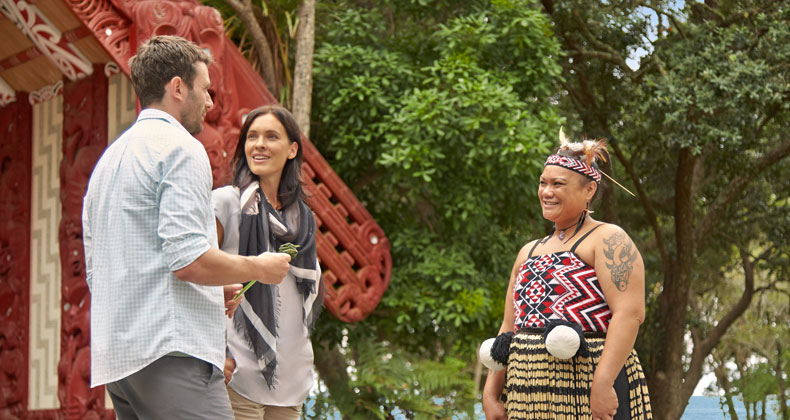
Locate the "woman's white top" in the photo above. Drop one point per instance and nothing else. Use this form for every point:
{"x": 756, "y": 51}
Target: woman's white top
{"x": 294, "y": 373}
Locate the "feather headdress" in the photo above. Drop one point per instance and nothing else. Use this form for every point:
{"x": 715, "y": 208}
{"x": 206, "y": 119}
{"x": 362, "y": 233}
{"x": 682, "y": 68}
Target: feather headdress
{"x": 591, "y": 149}
{"x": 588, "y": 151}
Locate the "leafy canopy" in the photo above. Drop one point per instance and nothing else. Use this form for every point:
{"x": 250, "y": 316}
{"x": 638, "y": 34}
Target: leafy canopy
{"x": 439, "y": 119}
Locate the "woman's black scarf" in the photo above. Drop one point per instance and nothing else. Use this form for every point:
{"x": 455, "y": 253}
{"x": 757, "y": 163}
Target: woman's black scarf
{"x": 263, "y": 229}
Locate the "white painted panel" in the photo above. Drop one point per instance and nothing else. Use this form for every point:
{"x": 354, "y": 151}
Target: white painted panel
{"x": 45, "y": 273}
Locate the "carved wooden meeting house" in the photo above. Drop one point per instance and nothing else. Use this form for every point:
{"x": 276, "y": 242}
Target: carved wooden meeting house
{"x": 64, "y": 94}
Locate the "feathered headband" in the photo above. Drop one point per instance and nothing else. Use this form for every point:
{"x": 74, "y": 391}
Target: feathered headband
{"x": 591, "y": 149}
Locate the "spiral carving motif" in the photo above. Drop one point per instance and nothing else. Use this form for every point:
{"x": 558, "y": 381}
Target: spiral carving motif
{"x": 110, "y": 25}
{"x": 15, "y": 187}
{"x": 84, "y": 140}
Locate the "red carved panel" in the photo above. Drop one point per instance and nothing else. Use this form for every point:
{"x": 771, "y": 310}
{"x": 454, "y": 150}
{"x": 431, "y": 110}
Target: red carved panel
{"x": 110, "y": 25}
{"x": 16, "y": 121}
{"x": 84, "y": 140}
{"x": 354, "y": 253}
{"x": 353, "y": 249}
{"x": 47, "y": 38}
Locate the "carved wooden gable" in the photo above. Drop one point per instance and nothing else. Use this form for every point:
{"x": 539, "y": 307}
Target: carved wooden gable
{"x": 57, "y": 64}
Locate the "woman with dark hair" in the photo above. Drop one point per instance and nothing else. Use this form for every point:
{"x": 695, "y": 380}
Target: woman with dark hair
{"x": 269, "y": 365}
{"x": 573, "y": 308}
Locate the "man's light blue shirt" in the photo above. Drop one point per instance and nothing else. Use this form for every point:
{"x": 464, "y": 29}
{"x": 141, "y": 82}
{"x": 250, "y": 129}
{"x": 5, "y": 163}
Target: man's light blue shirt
{"x": 147, "y": 213}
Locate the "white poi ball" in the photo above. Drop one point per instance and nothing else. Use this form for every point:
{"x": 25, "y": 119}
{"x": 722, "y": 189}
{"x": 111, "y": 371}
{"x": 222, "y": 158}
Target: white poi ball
{"x": 485, "y": 356}
{"x": 563, "y": 342}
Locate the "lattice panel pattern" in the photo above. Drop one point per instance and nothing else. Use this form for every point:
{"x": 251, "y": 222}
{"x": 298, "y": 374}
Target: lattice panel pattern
{"x": 45, "y": 256}
{"x": 354, "y": 253}
{"x": 121, "y": 106}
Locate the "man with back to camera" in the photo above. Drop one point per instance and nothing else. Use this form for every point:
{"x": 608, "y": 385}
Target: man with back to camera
{"x": 152, "y": 263}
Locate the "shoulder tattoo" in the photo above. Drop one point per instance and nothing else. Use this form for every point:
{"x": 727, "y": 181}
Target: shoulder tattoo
{"x": 620, "y": 257}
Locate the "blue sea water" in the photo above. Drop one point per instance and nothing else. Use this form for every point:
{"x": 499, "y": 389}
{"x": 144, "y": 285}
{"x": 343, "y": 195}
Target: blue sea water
{"x": 705, "y": 408}
{"x": 698, "y": 408}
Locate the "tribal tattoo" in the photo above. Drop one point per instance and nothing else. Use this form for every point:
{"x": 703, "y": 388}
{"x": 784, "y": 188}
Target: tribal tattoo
{"x": 620, "y": 255}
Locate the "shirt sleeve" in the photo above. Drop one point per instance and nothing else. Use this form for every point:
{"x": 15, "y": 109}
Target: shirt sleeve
{"x": 184, "y": 193}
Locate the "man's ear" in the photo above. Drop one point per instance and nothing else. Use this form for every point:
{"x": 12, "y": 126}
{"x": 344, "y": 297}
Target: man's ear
{"x": 177, "y": 89}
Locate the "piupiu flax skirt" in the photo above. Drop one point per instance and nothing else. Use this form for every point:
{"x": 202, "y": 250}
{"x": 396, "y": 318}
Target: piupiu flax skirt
{"x": 541, "y": 386}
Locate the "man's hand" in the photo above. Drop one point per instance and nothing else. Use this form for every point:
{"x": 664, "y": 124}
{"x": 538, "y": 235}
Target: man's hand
{"x": 272, "y": 266}
{"x": 231, "y": 290}
{"x": 230, "y": 366}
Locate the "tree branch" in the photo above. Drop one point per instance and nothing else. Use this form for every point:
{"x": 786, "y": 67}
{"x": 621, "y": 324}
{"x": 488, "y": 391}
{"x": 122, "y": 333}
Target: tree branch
{"x": 704, "y": 347}
{"x": 645, "y": 201}
{"x": 738, "y": 185}
{"x": 244, "y": 10}
{"x": 738, "y": 17}
{"x": 303, "y": 66}
{"x": 618, "y": 59}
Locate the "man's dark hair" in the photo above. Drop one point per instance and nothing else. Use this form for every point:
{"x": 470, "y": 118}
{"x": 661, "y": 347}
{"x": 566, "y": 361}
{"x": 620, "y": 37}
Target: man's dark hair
{"x": 159, "y": 60}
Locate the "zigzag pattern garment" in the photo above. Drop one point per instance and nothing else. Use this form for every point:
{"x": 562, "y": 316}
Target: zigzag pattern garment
{"x": 559, "y": 286}
{"x": 539, "y": 386}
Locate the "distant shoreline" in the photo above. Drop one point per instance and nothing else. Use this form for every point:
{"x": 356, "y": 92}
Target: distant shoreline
{"x": 702, "y": 407}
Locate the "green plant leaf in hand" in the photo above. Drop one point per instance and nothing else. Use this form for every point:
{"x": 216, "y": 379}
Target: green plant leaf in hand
{"x": 237, "y": 297}
{"x": 287, "y": 248}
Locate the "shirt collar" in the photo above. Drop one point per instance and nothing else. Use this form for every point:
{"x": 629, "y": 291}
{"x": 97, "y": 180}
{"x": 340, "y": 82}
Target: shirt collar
{"x": 155, "y": 113}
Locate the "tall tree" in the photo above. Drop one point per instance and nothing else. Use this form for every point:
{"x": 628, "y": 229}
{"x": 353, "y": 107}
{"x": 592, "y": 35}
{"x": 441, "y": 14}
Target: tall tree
{"x": 752, "y": 361}
{"x": 698, "y": 127}
{"x": 438, "y": 114}
{"x": 303, "y": 65}
{"x": 265, "y": 32}
{"x": 246, "y": 12}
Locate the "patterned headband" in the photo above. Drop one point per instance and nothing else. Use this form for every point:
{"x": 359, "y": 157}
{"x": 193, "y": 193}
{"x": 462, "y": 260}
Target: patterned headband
{"x": 574, "y": 165}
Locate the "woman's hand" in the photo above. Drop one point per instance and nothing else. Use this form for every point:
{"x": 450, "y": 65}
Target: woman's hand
{"x": 230, "y": 291}
{"x": 603, "y": 401}
{"x": 230, "y": 366}
{"x": 494, "y": 409}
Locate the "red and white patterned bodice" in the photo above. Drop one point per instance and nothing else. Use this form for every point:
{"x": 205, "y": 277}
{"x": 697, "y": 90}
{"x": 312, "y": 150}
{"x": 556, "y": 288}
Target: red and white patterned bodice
{"x": 559, "y": 286}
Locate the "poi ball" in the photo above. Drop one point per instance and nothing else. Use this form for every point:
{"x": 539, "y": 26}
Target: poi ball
{"x": 485, "y": 356}
{"x": 563, "y": 342}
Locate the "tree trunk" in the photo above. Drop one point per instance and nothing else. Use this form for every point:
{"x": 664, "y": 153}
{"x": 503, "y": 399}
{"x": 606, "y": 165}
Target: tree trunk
{"x": 764, "y": 403}
{"x": 247, "y": 16}
{"x": 608, "y": 201}
{"x": 781, "y": 394}
{"x": 666, "y": 395}
{"x": 703, "y": 348}
{"x": 303, "y": 66}
{"x": 724, "y": 384}
{"x": 331, "y": 368}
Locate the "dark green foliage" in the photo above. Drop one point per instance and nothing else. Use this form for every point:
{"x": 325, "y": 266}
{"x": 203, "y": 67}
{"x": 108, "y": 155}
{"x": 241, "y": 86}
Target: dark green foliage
{"x": 438, "y": 114}
{"x": 439, "y": 120}
{"x": 699, "y": 122}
